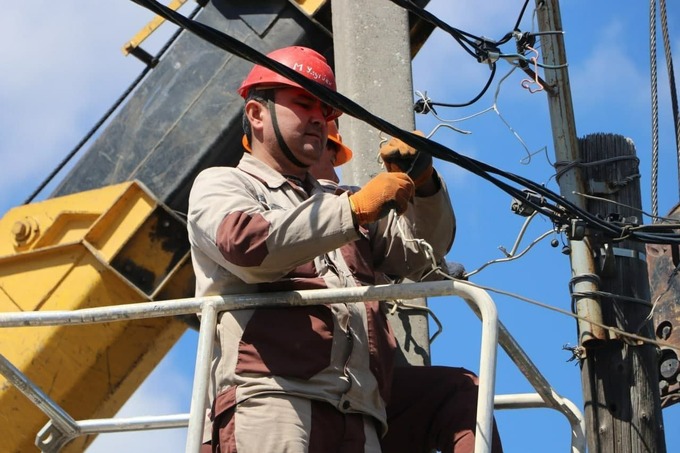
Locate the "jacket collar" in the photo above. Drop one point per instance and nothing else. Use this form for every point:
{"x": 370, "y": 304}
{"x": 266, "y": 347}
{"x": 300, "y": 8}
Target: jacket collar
{"x": 270, "y": 177}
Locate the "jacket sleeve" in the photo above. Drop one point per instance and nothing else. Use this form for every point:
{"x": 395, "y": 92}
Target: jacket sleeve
{"x": 259, "y": 240}
{"x": 395, "y": 239}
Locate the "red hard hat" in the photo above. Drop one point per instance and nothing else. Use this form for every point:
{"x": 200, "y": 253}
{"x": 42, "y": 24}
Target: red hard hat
{"x": 306, "y": 61}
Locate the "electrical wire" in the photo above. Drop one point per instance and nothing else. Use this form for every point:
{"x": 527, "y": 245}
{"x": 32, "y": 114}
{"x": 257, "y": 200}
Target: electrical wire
{"x": 418, "y": 107}
{"x": 483, "y": 49}
{"x": 106, "y": 115}
{"x": 632, "y": 208}
{"x": 521, "y": 14}
{"x": 478, "y": 46}
{"x": 426, "y": 106}
{"x": 513, "y": 255}
{"x": 472, "y": 44}
{"x": 619, "y": 332}
{"x": 87, "y": 136}
{"x": 561, "y": 213}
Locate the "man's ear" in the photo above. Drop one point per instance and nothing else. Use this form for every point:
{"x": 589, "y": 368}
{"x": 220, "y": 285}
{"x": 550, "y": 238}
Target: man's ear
{"x": 255, "y": 111}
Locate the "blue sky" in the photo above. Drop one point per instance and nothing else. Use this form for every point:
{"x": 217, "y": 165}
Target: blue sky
{"x": 65, "y": 68}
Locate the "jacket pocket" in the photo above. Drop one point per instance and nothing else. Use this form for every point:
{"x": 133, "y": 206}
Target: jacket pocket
{"x": 291, "y": 342}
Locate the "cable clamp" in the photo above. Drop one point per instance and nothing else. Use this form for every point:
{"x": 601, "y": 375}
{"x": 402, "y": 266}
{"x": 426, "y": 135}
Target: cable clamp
{"x": 577, "y": 229}
{"x": 523, "y": 41}
{"x": 487, "y": 51}
{"x": 524, "y": 209}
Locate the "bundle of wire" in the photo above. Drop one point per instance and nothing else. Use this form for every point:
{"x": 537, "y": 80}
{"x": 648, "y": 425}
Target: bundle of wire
{"x": 560, "y": 212}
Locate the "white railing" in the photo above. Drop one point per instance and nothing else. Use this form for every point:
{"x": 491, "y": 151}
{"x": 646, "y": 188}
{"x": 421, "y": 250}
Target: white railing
{"x": 62, "y": 428}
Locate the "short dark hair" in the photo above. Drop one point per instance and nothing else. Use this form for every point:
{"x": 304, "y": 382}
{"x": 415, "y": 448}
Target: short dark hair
{"x": 261, "y": 96}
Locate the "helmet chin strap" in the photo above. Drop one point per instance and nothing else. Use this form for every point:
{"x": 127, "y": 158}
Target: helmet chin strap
{"x": 279, "y": 138}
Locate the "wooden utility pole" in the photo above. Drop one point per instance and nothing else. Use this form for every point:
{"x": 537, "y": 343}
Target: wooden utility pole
{"x": 620, "y": 382}
{"x": 620, "y": 376}
{"x": 373, "y": 68}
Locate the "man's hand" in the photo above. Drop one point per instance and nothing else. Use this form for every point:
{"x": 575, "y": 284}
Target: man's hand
{"x": 399, "y": 157}
{"x": 381, "y": 194}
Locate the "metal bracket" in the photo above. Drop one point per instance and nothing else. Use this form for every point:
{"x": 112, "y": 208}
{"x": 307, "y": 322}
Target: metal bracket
{"x": 602, "y": 188}
{"x": 610, "y": 187}
{"x": 606, "y": 260}
{"x": 577, "y": 229}
{"x": 487, "y": 51}
{"x": 522, "y": 208}
{"x": 51, "y": 439}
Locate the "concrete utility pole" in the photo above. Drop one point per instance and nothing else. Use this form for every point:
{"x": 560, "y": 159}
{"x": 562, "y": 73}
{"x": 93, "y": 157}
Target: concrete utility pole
{"x": 373, "y": 68}
{"x": 619, "y": 380}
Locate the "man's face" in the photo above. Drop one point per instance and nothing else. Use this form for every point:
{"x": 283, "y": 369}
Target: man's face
{"x": 302, "y": 121}
{"x": 324, "y": 168}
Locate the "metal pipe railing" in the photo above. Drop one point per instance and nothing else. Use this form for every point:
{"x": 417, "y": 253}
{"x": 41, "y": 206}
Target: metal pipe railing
{"x": 62, "y": 426}
{"x": 535, "y": 400}
{"x": 534, "y": 376}
{"x": 477, "y": 298}
{"x": 193, "y": 305}
{"x": 199, "y": 393}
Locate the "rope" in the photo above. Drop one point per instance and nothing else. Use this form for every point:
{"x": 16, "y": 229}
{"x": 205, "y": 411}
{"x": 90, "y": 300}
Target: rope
{"x": 671, "y": 80}
{"x": 655, "y": 109}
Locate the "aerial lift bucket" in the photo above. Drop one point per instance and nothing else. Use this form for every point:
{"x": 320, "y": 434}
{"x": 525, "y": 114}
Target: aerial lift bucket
{"x": 108, "y": 246}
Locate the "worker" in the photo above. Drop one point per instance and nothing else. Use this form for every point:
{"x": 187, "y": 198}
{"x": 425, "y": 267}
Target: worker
{"x": 334, "y": 155}
{"x": 318, "y": 378}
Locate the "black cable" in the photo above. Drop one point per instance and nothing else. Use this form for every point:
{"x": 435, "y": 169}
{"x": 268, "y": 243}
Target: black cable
{"x": 482, "y": 47}
{"x": 421, "y": 102}
{"x": 476, "y": 42}
{"x": 342, "y": 103}
{"x": 412, "y": 7}
{"x": 463, "y": 38}
{"x": 346, "y": 105}
{"x": 106, "y": 115}
{"x": 521, "y": 14}
{"x": 335, "y": 99}
{"x": 508, "y": 36}
{"x": 87, "y": 136}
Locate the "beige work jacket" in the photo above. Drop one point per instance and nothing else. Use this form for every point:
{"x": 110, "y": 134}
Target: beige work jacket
{"x": 251, "y": 230}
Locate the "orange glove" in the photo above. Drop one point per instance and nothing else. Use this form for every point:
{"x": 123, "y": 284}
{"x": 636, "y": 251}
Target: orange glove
{"x": 382, "y": 193}
{"x": 398, "y": 156}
